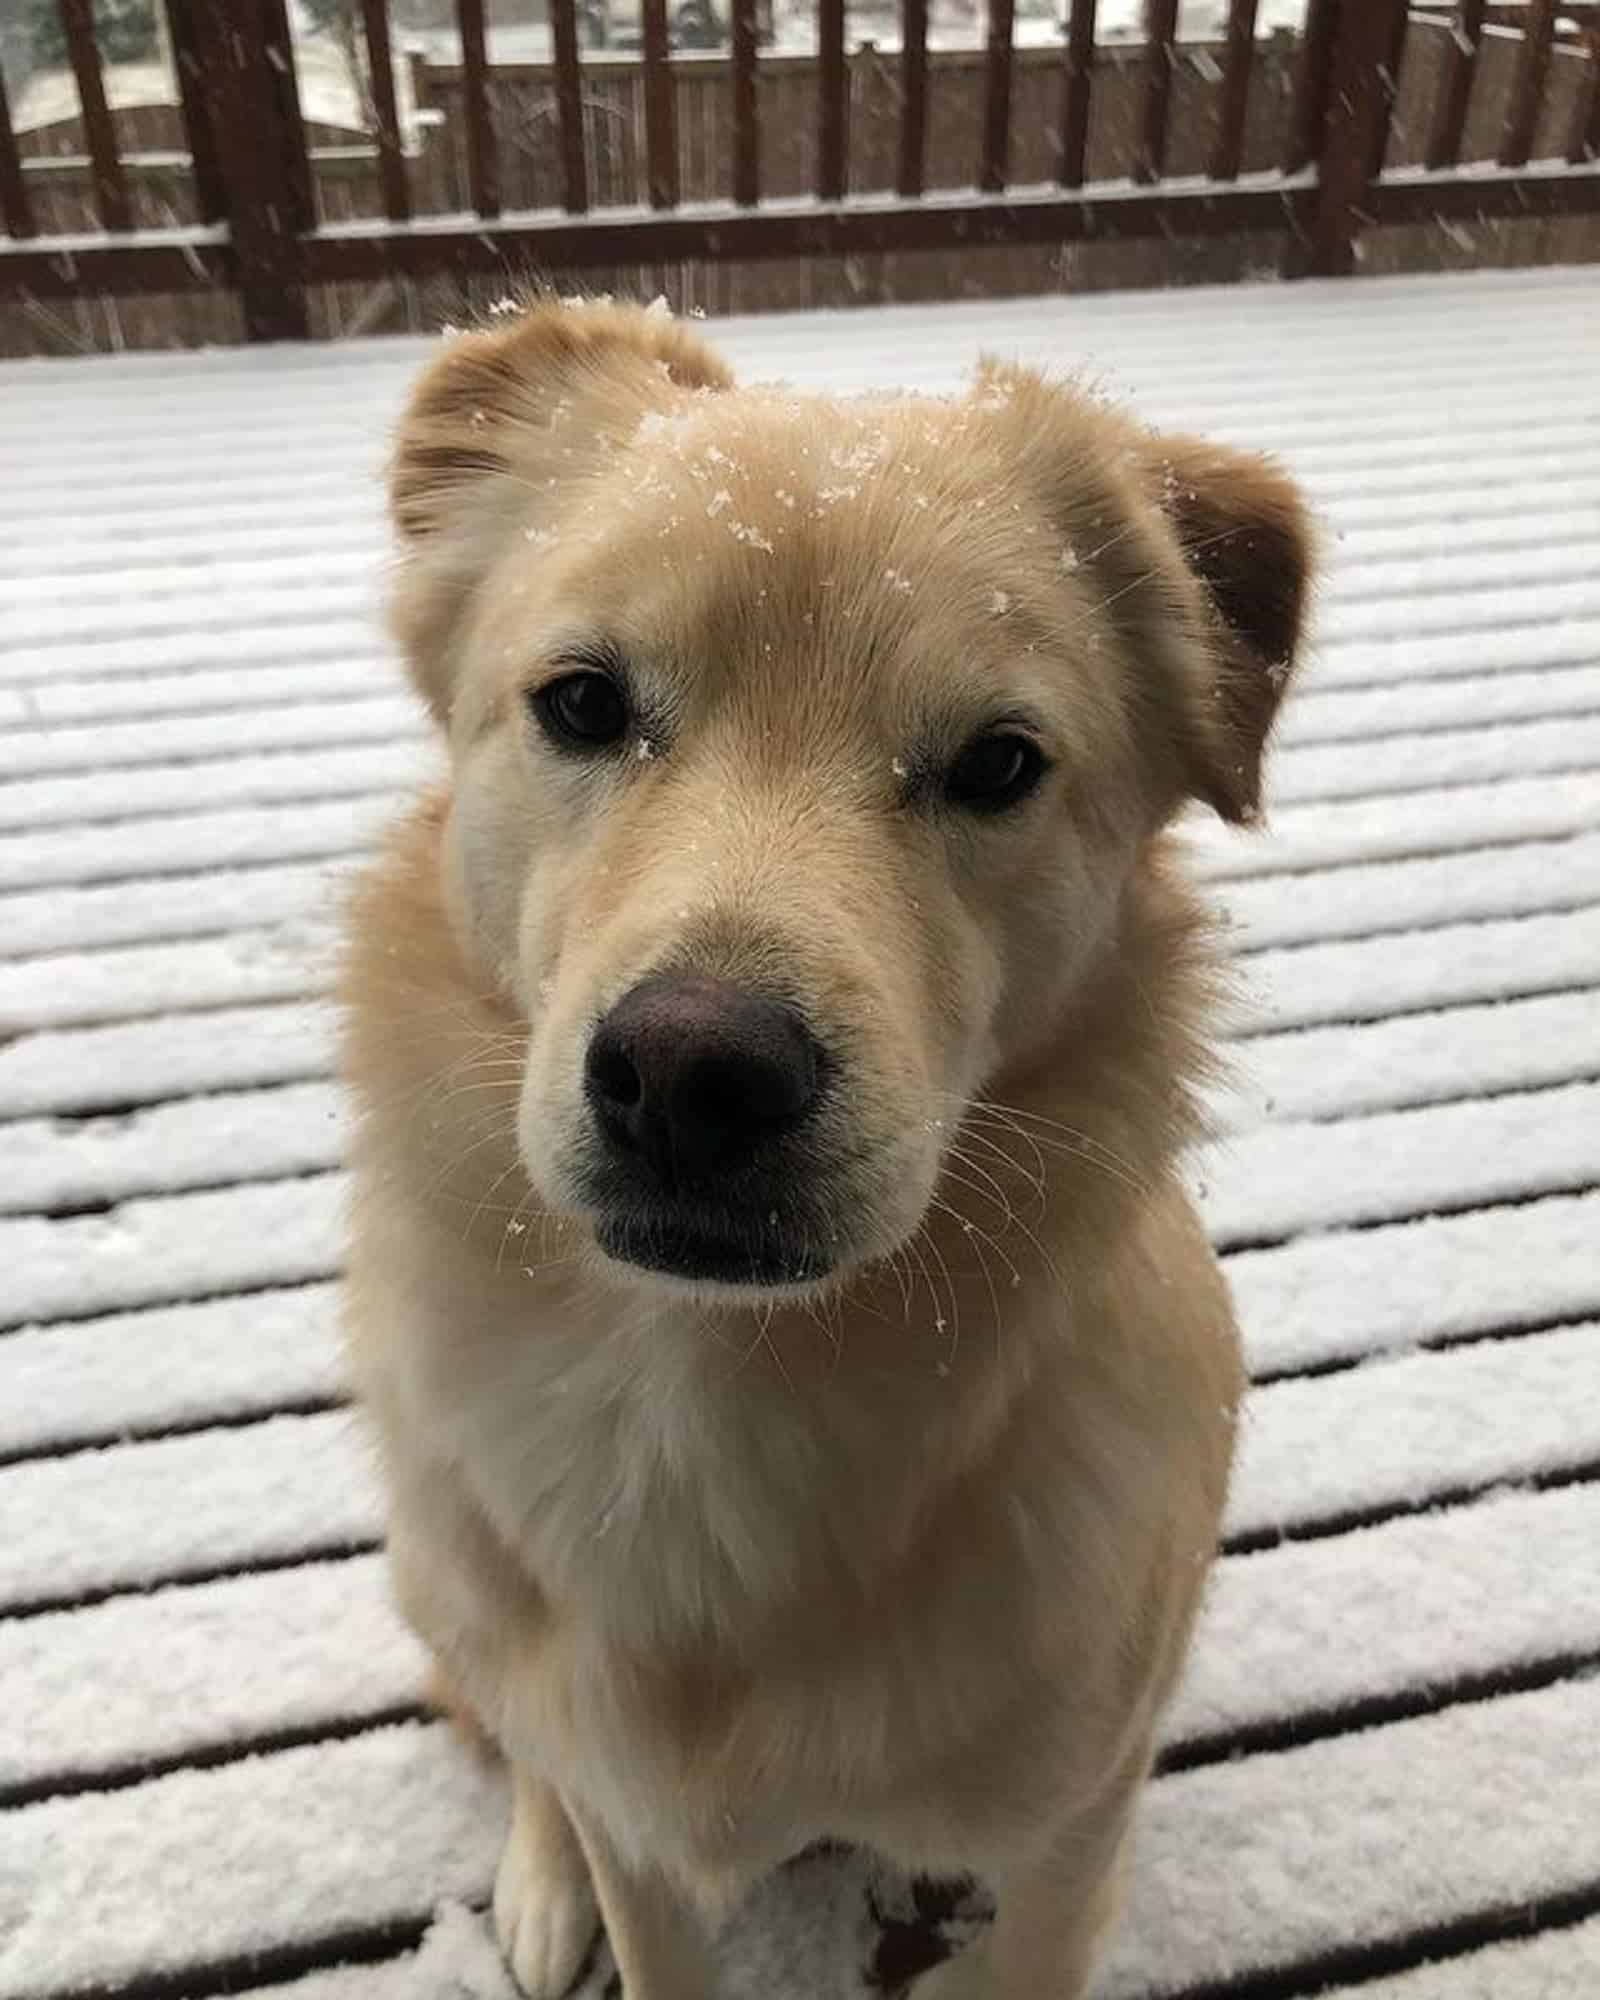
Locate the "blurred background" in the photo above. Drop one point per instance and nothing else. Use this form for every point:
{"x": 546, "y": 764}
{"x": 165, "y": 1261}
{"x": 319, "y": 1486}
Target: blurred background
{"x": 249, "y": 149}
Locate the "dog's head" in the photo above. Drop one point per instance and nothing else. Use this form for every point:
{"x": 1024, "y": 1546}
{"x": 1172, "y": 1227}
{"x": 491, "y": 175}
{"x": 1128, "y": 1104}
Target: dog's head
{"x": 802, "y": 752}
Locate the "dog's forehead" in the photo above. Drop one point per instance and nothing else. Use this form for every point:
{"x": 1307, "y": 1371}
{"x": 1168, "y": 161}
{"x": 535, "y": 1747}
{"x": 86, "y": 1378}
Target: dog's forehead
{"x": 772, "y": 445}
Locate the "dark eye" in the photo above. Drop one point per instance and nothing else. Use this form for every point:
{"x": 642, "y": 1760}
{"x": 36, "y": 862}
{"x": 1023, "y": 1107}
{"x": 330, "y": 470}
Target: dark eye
{"x": 995, "y": 771}
{"x": 586, "y": 710}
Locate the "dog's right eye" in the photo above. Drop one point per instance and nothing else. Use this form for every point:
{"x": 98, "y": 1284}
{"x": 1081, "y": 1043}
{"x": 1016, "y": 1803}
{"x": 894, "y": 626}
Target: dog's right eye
{"x": 582, "y": 711}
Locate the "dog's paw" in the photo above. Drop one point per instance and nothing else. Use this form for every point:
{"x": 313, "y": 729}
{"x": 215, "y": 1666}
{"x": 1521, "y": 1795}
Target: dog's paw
{"x": 544, "y": 1914}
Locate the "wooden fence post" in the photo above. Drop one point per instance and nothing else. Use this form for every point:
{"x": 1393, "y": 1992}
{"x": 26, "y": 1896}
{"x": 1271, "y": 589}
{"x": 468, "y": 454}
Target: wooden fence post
{"x": 262, "y": 175}
{"x": 1361, "y": 92}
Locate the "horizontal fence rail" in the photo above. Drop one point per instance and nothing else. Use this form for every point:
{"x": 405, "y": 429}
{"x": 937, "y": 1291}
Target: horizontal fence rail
{"x": 618, "y": 167}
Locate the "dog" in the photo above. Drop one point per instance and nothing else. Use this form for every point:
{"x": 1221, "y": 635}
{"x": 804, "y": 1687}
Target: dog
{"x": 804, "y": 1393}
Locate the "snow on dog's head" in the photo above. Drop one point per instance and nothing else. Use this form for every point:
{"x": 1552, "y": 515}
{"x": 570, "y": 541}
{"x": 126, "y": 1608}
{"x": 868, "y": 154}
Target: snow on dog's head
{"x": 802, "y": 752}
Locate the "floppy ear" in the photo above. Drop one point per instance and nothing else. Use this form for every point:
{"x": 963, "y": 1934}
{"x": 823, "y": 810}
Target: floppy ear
{"x": 1244, "y": 533}
{"x": 498, "y": 430}
{"x": 1203, "y": 558}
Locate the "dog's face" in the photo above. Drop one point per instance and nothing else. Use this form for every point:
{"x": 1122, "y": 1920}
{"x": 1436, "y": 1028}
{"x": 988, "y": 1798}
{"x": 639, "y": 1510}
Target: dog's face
{"x": 802, "y": 751}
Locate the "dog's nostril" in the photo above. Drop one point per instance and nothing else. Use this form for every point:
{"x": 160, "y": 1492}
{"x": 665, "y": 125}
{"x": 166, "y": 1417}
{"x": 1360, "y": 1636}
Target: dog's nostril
{"x": 693, "y": 1074}
{"x": 612, "y": 1074}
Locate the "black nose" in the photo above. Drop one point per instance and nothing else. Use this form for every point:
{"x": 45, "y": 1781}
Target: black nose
{"x": 691, "y": 1075}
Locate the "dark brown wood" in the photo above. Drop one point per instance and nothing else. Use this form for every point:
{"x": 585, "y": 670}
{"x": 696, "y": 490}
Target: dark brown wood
{"x": 105, "y": 165}
{"x": 385, "y": 113}
{"x": 746, "y": 136}
{"x": 831, "y": 84}
{"x": 15, "y": 208}
{"x": 195, "y": 260}
{"x": 1228, "y": 147}
{"x": 802, "y": 228}
{"x": 1399, "y": 27}
{"x": 1527, "y": 92}
{"x": 660, "y": 106}
{"x": 1076, "y": 89}
{"x": 994, "y": 168}
{"x": 255, "y": 166}
{"x": 1583, "y": 134}
{"x": 1495, "y": 194}
{"x": 275, "y": 51}
{"x": 1309, "y": 112}
{"x": 913, "y": 95}
{"x": 483, "y": 150}
{"x": 569, "y": 106}
{"x": 183, "y": 260}
{"x": 202, "y": 144}
{"x": 1463, "y": 38}
{"x": 1360, "y": 100}
{"x": 1160, "y": 31}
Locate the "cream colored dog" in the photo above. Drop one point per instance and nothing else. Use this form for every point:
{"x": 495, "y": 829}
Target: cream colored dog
{"x": 806, "y": 1396}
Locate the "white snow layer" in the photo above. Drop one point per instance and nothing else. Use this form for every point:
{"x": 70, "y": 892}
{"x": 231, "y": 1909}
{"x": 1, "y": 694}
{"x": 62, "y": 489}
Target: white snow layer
{"x": 201, "y": 732}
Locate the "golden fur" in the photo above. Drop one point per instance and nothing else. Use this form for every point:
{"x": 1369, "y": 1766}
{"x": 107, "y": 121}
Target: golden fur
{"x": 908, "y": 1555}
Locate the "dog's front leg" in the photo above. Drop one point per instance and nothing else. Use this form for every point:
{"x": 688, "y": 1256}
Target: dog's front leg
{"x": 1052, "y": 1913}
{"x": 544, "y": 1904}
{"x": 658, "y": 1937}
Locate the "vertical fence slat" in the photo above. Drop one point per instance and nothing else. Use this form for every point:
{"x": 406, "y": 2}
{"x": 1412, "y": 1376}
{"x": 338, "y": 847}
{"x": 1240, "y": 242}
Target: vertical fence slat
{"x": 746, "y": 138}
{"x": 1360, "y": 103}
{"x": 105, "y": 165}
{"x": 1077, "y": 84}
{"x": 202, "y": 143}
{"x": 830, "y": 101}
{"x": 483, "y": 154}
{"x": 15, "y": 207}
{"x": 245, "y": 112}
{"x": 1308, "y": 114}
{"x": 1583, "y": 134}
{"x": 1160, "y": 29}
{"x": 569, "y": 106}
{"x": 1399, "y": 27}
{"x": 994, "y": 169}
{"x": 660, "y": 107}
{"x": 385, "y": 113}
{"x": 1527, "y": 93}
{"x": 1455, "y": 85}
{"x": 1228, "y": 149}
{"x": 276, "y": 49}
{"x": 913, "y": 95}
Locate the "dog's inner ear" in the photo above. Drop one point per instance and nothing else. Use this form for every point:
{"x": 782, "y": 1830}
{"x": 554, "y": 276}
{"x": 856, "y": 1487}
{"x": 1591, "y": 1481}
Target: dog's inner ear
{"x": 533, "y": 399}
{"x": 1245, "y": 534}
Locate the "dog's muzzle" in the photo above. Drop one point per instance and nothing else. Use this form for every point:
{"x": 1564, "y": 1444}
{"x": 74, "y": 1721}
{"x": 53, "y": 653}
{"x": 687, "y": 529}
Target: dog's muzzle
{"x": 697, "y": 1090}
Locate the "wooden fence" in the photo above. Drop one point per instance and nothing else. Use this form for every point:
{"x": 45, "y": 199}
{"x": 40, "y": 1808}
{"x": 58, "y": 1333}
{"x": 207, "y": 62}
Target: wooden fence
{"x": 1304, "y": 147}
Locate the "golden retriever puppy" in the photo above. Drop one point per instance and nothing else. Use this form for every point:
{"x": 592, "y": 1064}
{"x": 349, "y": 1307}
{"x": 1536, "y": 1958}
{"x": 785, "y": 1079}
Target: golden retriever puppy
{"x": 805, "y": 1394}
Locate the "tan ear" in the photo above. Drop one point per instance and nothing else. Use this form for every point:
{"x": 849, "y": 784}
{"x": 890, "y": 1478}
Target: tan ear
{"x": 497, "y": 431}
{"x": 493, "y": 403}
{"x": 1245, "y": 534}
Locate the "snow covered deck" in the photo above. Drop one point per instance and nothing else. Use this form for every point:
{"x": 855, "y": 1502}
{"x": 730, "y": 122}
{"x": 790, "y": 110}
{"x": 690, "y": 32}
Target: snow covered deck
{"x": 212, "y": 1772}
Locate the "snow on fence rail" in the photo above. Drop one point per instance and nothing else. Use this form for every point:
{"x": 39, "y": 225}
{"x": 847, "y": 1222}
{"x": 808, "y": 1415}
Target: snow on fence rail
{"x": 264, "y": 228}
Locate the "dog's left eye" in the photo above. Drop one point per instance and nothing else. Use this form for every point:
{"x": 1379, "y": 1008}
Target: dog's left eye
{"x": 586, "y": 710}
{"x": 995, "y": 771}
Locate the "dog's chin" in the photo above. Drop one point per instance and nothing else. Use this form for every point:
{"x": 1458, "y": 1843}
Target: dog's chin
{"x": 686, "y": 1259}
